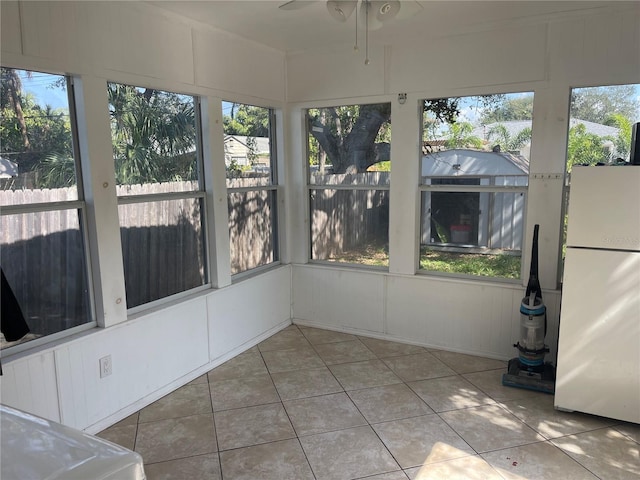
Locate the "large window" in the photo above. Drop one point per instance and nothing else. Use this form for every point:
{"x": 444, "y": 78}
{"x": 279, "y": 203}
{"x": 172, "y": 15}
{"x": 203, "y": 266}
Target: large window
{"x": 45, "y": 282}
{"x": 349, "y": 174}
{"x": 252, "y": 185}
{"x": 474, "y": 175}
{"x": 600, "y": 124}
{"x": 601, "y": 120}
{"x": 156, "y": 149}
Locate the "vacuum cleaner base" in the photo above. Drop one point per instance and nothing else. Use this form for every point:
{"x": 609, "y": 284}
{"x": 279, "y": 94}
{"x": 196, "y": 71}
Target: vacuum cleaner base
{"x": 543, "y": 381}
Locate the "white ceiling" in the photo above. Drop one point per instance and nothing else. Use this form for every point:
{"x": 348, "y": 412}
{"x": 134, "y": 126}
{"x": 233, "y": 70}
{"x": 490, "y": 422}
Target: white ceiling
{"x": 311, "y": 27}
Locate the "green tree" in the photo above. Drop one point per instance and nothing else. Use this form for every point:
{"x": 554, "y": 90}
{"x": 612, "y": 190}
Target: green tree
{"x": 584, "y": 147}
{"x": 359, "y": 136}
{"x": 31, "y": 133}
{"x": 247, "y": 120}
{"x": 460, "y": 135}
{"x": 517, "y": 108}
{"x": 351, "y": 135}
{"x": 11, "y": 98}
{"x": 623, "y": 140}
{"x": 500, "y": 134}
{"x": 153, "y": 135}
{"x": 596, "y": 104}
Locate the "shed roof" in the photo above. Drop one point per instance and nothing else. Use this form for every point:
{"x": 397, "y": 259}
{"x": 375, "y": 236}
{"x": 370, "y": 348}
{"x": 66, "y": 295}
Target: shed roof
{"x": 459, "y": 162}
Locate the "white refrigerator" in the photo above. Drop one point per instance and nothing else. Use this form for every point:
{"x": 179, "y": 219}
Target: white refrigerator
{"x": 598, "y": 366}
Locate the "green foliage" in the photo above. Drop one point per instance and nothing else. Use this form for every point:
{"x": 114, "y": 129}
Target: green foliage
{"x": 501, "y": 136}
{"x": 247, "y": 120}
{"x": 380, "y": 167}
{"x": 460, "y": 136}
{"x": 153, "y": 135}
{"x": 444, "y": 112}
{"x": 32, "y": 134}
{"x": 501, "y": 266}
{"x": 252, "y": 154}
{"x": 518, "y": 108}
{"x": 585, "y": 148}
{"x": 596, "y": 104}
{"x": 623, "y": 141}
{"x": 58, "y": 170}
{"x": 493, "y": 265}
{"x": 235, "y": 170}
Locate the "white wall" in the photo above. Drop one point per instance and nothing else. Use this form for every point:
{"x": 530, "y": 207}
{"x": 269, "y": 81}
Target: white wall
{"x": 468, "y": 316}
{"x": 155, "y": 351}
{"x": 152, "y": 354}
{"x": 546, "y": 55}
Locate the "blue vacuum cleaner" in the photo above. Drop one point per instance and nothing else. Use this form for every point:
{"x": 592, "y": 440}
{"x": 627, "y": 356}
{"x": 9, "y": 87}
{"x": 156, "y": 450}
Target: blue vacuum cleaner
{"x": 529, "y": 369}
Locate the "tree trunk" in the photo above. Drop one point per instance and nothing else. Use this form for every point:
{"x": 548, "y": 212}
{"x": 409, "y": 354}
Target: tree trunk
{"x": 358, "y": 147}
{"x": 14, "y": 85}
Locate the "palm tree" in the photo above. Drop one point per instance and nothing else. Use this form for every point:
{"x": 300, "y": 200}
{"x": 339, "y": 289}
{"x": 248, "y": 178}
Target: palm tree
{"x": 59, "y": 170}
{"x": 506, "y": 140}
{"x": 154, "y": 135}
{"x": 624, "y": 126}
{"x": 460, "y": 135}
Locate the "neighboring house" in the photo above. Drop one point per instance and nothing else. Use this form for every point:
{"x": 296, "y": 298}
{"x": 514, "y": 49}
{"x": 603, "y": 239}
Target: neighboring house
{"x": 479, "y": 219}
{"x": 240, "y": 149}
{"x": 514, "y": 127}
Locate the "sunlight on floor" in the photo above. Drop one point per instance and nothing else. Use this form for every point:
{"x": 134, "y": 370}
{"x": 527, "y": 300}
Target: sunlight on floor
{"x": 466, "y": 398}
{"x": 496, "y": 415}
{"x": 469, "y": 467}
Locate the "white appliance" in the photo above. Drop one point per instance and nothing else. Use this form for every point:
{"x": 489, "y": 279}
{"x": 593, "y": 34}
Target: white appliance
{"x": 598, "y": 367}
{"x": 37, "y": 448}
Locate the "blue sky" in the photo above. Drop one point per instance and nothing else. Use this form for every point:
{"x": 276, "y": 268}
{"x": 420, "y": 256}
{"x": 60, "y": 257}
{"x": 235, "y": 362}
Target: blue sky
{"x": 41, "y": 86}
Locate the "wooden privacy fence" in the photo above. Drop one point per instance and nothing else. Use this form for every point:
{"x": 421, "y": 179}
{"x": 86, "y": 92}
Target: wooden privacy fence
{"x": 42, "y": 253}
{"x": 162, "y": 245}
{"x": 43, "y": 259}
{"x": 252, "y": 221}
{"x": 348, "y": 219}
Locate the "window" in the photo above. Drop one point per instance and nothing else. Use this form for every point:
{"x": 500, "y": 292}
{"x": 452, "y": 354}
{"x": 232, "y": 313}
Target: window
{"x": 601, "y": 120}
{"x": 156, "y": 149}
{"x": 252, "y": 185}
{"x": 474, "y": 177}
{"x": 42, "y": 233}
{"x": 600, "y": 124}
{"x": 349, "y": 167}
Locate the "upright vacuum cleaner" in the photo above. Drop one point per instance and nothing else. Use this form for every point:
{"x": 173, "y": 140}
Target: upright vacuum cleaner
{"x": 529, "y": 369}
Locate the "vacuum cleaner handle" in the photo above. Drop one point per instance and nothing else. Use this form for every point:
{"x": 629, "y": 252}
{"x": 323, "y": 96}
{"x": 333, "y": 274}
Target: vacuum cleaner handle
{"x": 533, "y": 286}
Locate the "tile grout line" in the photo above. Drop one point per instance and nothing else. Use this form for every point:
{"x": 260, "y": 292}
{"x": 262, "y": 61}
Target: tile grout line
{"x": 501, "y": 404}
{"x": 297, "y": 436}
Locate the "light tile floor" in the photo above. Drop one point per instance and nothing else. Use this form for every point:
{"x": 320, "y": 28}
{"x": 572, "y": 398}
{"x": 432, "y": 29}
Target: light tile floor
{"x": 315, "y": 404}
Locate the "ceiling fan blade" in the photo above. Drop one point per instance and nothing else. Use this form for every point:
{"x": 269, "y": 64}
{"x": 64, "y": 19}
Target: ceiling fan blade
{"x": 341, "y": 10}
{"x": 409, "y": 8}
{"x": 294, "y": 4}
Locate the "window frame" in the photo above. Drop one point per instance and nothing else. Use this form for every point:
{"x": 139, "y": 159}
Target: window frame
{"x": 81, "y": 207}
{"x": 273, "y": 188}
{"x": 424, "y": 187}
{"x": 566, "y": 179}
{"x": 200, "y": 194}
{"x": 311, "y": 187}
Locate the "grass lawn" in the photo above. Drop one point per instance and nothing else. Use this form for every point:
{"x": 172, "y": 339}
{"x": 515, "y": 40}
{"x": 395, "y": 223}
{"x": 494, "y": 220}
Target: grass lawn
{"x": 435, "y": 260}
{"x": 479, "y": 264}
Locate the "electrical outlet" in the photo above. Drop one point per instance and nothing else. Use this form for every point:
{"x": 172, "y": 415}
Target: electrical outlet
{"x": 105, "y": 366}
